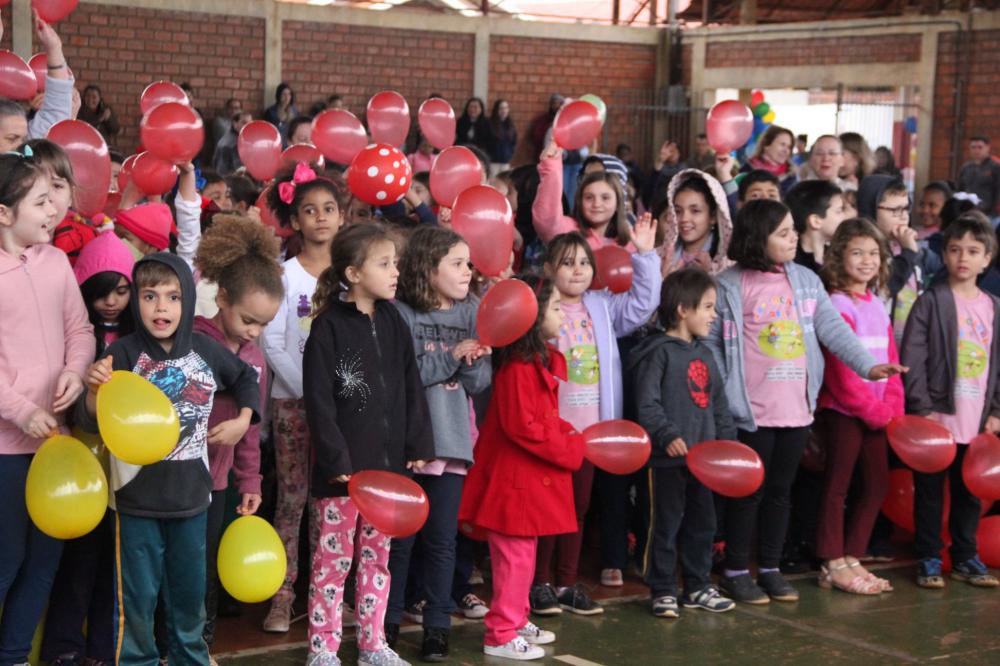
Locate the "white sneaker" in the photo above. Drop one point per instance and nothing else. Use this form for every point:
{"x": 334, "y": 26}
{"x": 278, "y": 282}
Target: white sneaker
{"x": 612, "y": 578}
{"x": 473, "y": 608}
{"x": 516, "y": 648}
{"x": 324, "y": 658}
{"x": 535, "y": 635}
{"x": 384, "y": 657}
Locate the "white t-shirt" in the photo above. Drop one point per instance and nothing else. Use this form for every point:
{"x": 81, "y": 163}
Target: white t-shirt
{"x": 284, "y": 339}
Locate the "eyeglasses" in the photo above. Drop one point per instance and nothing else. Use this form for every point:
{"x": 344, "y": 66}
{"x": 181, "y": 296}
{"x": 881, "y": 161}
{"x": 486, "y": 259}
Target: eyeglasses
{"x": 826, "y": 153}
{"x": 897, "y": 211}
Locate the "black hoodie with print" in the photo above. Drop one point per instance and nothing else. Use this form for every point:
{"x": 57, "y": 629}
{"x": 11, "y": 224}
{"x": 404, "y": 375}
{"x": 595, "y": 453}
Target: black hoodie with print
{"x": 189, "y": 375}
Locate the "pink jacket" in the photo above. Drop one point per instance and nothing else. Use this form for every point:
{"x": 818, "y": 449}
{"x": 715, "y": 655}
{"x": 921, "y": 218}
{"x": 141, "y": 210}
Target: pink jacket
{"x": 44, "y": 330}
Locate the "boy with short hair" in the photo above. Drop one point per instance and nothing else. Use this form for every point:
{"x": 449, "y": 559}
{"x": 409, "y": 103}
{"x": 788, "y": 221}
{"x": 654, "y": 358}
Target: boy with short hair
{"x": 759, "y": 184}
{"x": 160, "y": 509}
{"x": 683, "y": 512}
{"x": 952, "y": 347}
{"x": 817, "y": 208}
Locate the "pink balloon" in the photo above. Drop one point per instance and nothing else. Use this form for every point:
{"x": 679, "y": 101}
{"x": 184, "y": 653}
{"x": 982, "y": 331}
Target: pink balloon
{"x": 173, "y": 132}
{"x": 152, "y": 175}
{"x": 729, "y": 125}
{"x": 88, "y": 153}
{"x": 482, "y": 216}
{"x": 576, "y": 125}
{"x": 923, "y": 444}
{"x": 437, "y": 122}
{"x": 17, "y": 80}
{"x": 395, "y": 505}
{"x": 726, "y": 467}
{"x": 161, "y": 92}
{"x": 339, "y": 135}
{"x": 617, "y": 446}
{"x": 126, "y": 172}
{"x": 981, "y": 467}
{"x": 988, "y": 540}
{"x": 268, "y": 218}
{"x": 388, "y": 118}
{"x": 613, "y": 269}
{"x": 51, "y": 11}
{"x": 259, "y": 146}
{"x": 507, "y": 311}
{"x": 303, "y": 152}
{"x": 379, "y": 175}
{"x": 453, "y": 171}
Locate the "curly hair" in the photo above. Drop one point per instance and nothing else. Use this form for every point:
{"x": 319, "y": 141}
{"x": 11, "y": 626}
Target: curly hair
{"x": 425, "y": 249}
{"x": 286, "y": 211}
{"x": 833, "y": 273}
{"x": 532, "y": 344}
{"x": 240, "y": 256}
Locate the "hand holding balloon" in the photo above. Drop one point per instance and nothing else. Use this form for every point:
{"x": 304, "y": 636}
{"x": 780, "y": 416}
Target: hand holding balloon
{"x": 229, "y": 433}
{"x": 677, "y": 448}
{"x": 98, "y": 374}
{"x": 469, "y": 351}
{"x": 249, "y": 505}
{"x": 886, "y": 370}
{"x": 724, "y": 165}
{"x": 40, "y": 424}
{"x": 550, "y": 151}
{"x": 416, "y": 465}
{"x": 69, "y": 386}
{"x": 643, "y": 235}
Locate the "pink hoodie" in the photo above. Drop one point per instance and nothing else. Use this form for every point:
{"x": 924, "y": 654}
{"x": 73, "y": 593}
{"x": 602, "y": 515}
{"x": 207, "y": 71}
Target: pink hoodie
{"x": 44, "y": 330}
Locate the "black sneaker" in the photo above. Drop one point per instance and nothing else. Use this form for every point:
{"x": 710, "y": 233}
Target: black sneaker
{"x": 543, "y": 600}
{"x": 391, "y": 634}
{"x": 776, "y": 587}
{"x": 742, "y": 589}
{"x": 576, "y": 600}
{"x": 435, "y": 645}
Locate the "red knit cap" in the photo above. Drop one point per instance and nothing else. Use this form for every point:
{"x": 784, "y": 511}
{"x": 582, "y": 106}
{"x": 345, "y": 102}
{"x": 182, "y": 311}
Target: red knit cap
{"x": 151, "y": 223}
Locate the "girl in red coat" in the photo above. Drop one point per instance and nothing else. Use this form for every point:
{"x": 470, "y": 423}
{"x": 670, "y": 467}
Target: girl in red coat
{"x": 521, "y": 486}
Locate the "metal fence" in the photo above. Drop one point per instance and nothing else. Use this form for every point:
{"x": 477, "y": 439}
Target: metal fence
{"x": 645, "y": 118}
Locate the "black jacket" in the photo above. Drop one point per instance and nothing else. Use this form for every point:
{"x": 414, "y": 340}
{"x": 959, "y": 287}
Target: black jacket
{"x": 930, "y": 351}
{"x": 365, "y": 403}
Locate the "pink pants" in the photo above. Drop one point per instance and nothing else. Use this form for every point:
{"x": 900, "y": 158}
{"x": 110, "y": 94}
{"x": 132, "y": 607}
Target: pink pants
{"x": 339, "y": 522}
{"x": 513, "y": 562}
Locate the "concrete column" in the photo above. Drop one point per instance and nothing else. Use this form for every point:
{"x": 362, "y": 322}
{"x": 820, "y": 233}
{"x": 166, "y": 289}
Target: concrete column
{"x": 925, "y": 111}
{"x": 21, "y": 29}
{"x": 698, "y": 99}
{"x": 272, "y": 50}
{"x": 481, "y": 64}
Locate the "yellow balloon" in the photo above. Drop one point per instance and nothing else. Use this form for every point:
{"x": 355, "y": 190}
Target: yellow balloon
{"x": 251, "y": 560}
{"x": 66, "y": 489}
{"x": 138, "y": 422}
{"x": 769, "y": 118}
{"x": 93, "y": 442}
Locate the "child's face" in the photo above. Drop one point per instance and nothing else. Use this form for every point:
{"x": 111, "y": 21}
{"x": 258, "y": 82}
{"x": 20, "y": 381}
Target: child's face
{"x": 861, "y": 261}
{"x": 111, "y": 305}
{"x": 303, "y": 134}
{"x": 136, "y": 242}
{"x": 243, "y": 321}
{"x": 61, "y": 193}
{"x": 782, "y": 242}
{"x": 32, "y": 221}
{"x": 835, "y": 214}
{"x": 573, "y": 275}
{"x": 694, "y": 222}
{"x": 931, "y": 204}
{"x": 553, "y": 317}
{"x": 358, "y": 212}
{"x": 450, "y": 280}
{"x": 317, "y": 217}
{"x": 599, "y": 203}
{"x": 219, "y": 193}
{"x": 893, "y": 212}
{"x": 376, "y": 277}
{"x": 160, "y": 309}
{"x": 762, "y": 190}
{"x": 116, "y": 168}
{"x": 965, "y": 258}
{"x": 421, "y": 191}
{"x": 699, "y": 320}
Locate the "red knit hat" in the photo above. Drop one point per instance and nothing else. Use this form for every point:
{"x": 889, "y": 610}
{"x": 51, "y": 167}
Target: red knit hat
{"x": 151, "y": 223}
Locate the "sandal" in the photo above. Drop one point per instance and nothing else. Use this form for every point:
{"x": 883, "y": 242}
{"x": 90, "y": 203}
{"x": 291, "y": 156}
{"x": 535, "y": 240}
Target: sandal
{"x": 883, "y": 583}
{"x": 858, "y": 585}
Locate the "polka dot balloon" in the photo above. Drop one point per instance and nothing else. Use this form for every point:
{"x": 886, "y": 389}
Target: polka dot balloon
{"x": 379, "y": 175}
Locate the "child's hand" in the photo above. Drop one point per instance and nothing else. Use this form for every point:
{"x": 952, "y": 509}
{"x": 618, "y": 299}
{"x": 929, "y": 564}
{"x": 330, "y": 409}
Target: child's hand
{"x": 68, "y": 389}
{"x": 724, "y": 165}
{"x": 254, "y": 214}
{"x": 550, "y": 151}
{"x": 886, "y": 370}
{"x": 992, "y": 425}
{"x": 228, "y": 433}
{"x": 470, "y": 351}
{"x": 98, "y": 373}
{"x": 416, "y": 464}
{"x": 444, "y": 217}
{"x": 906, "y": 236}
{"x": 249, "y": 505}
{"x": 677, "y": 448}
{"x": 343, "y": 478}
{"x": 40, "y": 424}
{"x": 643, "y": 235}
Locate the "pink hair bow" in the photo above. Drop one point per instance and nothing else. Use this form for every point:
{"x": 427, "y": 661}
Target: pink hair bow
{"x": 303, "y": 174}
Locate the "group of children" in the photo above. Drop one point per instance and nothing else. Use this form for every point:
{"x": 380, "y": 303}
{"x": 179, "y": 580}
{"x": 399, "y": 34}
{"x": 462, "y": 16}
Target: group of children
{"x": 746, "y": 319}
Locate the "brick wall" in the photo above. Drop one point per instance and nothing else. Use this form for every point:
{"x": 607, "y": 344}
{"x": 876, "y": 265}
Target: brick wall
{"x": 5, "y": 16}
{"x": 123, "y": 49}
{"x": 820, "y": 51}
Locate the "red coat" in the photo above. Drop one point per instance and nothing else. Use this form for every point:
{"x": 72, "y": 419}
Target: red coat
{"x": 521, "y": 483}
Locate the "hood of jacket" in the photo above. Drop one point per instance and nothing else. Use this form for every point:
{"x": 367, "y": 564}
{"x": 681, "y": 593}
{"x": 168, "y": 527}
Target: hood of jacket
{"x": 870, "y": 191}
{"x": 723, "y": 222}
{"x": 649, "y": 345}
{"x": 185, "y": 328}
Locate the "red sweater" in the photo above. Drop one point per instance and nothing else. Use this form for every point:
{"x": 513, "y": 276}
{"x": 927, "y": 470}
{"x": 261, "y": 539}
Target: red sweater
{"x": 521, "y": 483}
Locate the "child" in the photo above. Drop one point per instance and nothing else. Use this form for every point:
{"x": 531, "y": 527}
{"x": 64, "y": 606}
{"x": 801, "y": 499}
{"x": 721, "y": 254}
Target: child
{"x": 817, "y": 208}
{"x": 434, "y": 302}
{"x": 161, "y": 509}
{"x": 46, "y": 344}
{"x": 145, "y": 229}
{"x": 773, "y": 315}
{"x": 951, "y": 346}
{"x": 241, "y": 257}
{"x": 521, "y": 486}
{"x": 695, "y": 224}
{"x": 366, "y": 409}
{"x": 758, "y": 184}
{"x": 216, "y": 189}
{"x": 84, "y": 585}
{"x": 592, "y": 320}
{"x": 932, "y": 200}
{"x": 682, "y": 509}
{"x": 855, "y": 412}
{"x": 310, "y": 206}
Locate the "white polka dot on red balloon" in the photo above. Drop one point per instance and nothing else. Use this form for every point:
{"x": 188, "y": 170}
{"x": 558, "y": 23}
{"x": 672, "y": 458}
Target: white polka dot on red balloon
{"x": 384, "y": 152}
{"x": 372, "y": 171}
{"x": 389, "y": 178}
{"x": 395, "y": 165}
{"x": 380, "y": 195}
{"x": 402, "y": 181}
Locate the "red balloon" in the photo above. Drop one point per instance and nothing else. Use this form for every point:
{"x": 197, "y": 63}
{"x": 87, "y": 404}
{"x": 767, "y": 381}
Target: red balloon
{"x": 91, "y": 161}
{"x": 898, "y": 504}
{"x": 981, "y": 467}
{"x": 617, "y": 446}
{"x": 508, "y": 311}
{"x": 303, "y": 152}
{"x": 152, "y": 175}
{"x": 482, "y": 216}
{"x": 126, "y": 172}
{"x": 17, "y": 80}
{"x": 756, "y": 98}
{"x": 112, "y": 204}
{"x": 613, "y": 269}
{"x": 379, "y": 175}
{"x": 437, "y": 122}
{"x": 923, "y": 444}
{"x": 339, "y": 135}
{"x": 173, "y": 132}
{"x": 576, "y": 125}
{"x": 259, "y": 146}
{"x": 388, "y": 118}
{"x": 814, "y": 455}
{"x": 395, "y": 505}
{"x": 726, "y": 467}
{"x": 988, "y": 540}
{"x": 161, "y": 92}
{"x": 268, "y": 218}
{"x": 51, "y": 11}
{"x": 729, "y": 125}
{"x": 454, "y": 170}
{"x": 39, "y": 64}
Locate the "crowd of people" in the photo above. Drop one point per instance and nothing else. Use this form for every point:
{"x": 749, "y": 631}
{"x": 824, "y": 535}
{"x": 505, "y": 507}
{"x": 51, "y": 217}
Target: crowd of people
{"x": 776, "y": 301}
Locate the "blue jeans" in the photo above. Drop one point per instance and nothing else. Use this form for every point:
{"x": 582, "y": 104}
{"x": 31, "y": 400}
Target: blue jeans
{"x": 28, "y": 563}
